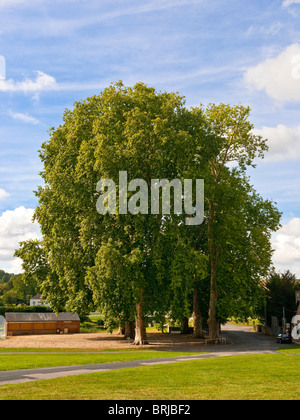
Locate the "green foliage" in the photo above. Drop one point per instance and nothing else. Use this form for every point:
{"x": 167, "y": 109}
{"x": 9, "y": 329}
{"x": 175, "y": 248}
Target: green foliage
{"x": 187, "y": 267}
{"x": 5, "y": 277}
{"x": 14, "y": 289}
{"x": 156, "y": 263}
{"x": 280, "y": 293}
{"x": 23, "y": 308}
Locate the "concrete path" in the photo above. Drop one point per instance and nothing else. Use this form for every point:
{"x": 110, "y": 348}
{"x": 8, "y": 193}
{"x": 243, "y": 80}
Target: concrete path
{"x": 242, "y": 341}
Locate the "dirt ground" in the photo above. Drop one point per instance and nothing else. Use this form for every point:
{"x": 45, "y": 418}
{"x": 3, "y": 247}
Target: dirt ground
{"x": 95, "y": 341}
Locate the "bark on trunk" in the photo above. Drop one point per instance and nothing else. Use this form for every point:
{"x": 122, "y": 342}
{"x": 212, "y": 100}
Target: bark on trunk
{"x": 197, "y": 317}
{"x": 213, "y": 253}
{"x": 140, "y": 328}
{"x": 129, "y": 330}
{"x": 185, "y": 325}
{"x": 212, "y": 319}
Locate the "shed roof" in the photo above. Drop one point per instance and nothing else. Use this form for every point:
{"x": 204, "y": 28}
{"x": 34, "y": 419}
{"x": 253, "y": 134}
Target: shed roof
{"x": 40, "y": 317}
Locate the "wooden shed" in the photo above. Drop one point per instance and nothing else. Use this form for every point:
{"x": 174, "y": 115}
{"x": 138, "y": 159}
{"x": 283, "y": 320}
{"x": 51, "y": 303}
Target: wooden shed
{"x": 23, "y": 323}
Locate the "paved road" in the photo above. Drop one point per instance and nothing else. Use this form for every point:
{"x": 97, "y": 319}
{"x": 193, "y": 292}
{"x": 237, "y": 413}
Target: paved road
{"x": 242, "y": 341}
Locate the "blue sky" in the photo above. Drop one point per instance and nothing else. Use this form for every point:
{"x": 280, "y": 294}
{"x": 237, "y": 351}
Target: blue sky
{"x": 234, "y": 51}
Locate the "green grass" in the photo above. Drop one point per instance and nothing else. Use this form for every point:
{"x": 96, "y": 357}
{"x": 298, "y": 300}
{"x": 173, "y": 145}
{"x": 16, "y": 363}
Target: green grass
{"x": 255, "y": 377}
{"x": 294, "y": 349}
{"x": 32, "y": 361}
{"x": 92, "y": 327}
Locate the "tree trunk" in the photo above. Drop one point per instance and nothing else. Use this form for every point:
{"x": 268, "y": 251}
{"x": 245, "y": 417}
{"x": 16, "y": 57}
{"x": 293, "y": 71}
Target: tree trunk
{"x": 197, "y": 317}
{"x": 129, "y": 330}
{"x": 185, "y": 325}
{"x": 120, "y": 330}
{"x": 140, "y": 330}
{"x": 213, "y": 254}
{"x": 212, "y": 318}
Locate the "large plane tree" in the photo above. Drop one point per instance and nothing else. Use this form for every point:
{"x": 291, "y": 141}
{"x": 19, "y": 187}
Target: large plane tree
{"x": 148, "y": 134}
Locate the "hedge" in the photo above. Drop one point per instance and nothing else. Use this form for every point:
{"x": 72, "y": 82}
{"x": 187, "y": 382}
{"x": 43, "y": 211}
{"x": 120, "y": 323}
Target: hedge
{"x": 30, "y": 309}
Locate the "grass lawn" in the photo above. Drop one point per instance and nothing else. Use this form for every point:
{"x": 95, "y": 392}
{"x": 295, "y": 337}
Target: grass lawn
{"x": 294, "y": 349}
{"x": 257, "y": 377}
{"x": 32, "y": 361}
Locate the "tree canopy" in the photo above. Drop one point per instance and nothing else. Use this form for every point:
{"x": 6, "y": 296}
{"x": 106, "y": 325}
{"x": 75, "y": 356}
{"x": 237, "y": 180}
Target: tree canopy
{"x": 280, "y": 296}
{"x": 134, "y": 264}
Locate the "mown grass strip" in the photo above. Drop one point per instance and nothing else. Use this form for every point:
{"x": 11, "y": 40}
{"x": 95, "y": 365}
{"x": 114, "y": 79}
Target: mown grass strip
{"x": 32, "y": 361}
{"x": 248, "y": 377}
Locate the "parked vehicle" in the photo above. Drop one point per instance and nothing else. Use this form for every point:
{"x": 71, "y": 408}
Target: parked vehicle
{"x": 284, "y": 338}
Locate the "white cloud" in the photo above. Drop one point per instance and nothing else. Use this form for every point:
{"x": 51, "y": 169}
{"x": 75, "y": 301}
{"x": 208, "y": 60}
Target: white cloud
{"x": 15, "y": 226}
{"x": 279, "y": 77}
{"x": 5, "y": 3}
{"x": 162, "y": 4}
{"x": 23, "y": 117}
{"x": 13, "y": 3}
{"x": 3, "y": 194}
{"x": 42, "y": 82}
{"x": 284, "y": 142}
{"x": 265, "y": 30}
{"x": 286, "y": 243}
{"x": 288, "y": 3}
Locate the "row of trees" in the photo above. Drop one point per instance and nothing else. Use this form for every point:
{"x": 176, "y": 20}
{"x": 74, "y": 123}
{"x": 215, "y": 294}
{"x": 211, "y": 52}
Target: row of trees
{"x": 279, "y": 292}
{"x": 131, "y": 265}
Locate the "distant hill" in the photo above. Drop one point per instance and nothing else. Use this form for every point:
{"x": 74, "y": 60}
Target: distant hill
{"x": 13, "y": 289}
{"x": 5, "y": 277}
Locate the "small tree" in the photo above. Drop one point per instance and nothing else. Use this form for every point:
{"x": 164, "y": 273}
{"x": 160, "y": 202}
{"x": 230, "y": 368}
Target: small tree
{"x": 230, "y": 140}
{"x": 280, "y": 295}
